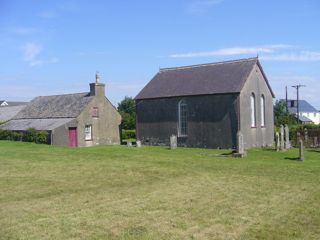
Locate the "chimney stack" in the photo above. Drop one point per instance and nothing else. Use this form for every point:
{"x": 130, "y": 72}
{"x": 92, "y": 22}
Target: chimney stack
{"x": 97, "y": 88}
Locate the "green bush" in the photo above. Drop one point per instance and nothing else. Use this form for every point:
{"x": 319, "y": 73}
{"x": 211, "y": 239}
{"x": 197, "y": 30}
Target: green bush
{"x": 30, "y": 135}
{"x": 5, "y": 134}
{"x": 17, "y": 136}
{"x": 42, "y": 137}
{"x": 128, "y": 134}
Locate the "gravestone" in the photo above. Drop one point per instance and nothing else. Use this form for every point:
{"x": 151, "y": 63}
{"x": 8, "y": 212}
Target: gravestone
{"x": 277, "y": 142}
{"x": 138, "y": 143}
{"x": 240, "y": 146}
{"x": 287, "y": 138}
{"x": 281, "y": 138}
{"x": 173, "y": 142}
{"x": 306, "y": 135}
{"x": 129, "y": 144}
{"x": 315, "y": 141}
{"x": 301, "y": 153}
{"x": 298, "y": 138}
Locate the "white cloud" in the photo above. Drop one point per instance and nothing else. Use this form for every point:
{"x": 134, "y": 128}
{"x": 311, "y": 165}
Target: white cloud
{"x": 273, "y": 52}
{"x": 232, "y": 51}
{"x": 201, "y": 6}
{"x": 31, "y": 53}
{"x": 302, "y": 56}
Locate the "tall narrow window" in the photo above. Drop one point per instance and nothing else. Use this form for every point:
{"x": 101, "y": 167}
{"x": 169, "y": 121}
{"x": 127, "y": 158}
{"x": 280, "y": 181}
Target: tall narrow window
{"x": 262, "y": 109}
{"x": 88, "y": 132}
{"x": 183, "y": 121}
{"x": 253, "y": 110}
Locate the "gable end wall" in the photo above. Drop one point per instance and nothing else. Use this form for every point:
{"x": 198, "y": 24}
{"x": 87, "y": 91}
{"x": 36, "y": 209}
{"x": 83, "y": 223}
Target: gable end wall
{"x": 258, "y": 136}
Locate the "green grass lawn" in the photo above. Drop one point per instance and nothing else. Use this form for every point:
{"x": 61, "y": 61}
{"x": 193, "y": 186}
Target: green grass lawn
{"x": 115, "y": 192}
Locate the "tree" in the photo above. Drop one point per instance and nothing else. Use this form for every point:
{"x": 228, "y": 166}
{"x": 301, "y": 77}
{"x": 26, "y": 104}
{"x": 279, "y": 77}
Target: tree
{"x": 281, "y": 116}
{"x": 127, "y": 109}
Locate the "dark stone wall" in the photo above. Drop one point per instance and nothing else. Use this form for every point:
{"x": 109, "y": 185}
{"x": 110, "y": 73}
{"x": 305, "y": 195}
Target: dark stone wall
{"x": 212, "y": 121}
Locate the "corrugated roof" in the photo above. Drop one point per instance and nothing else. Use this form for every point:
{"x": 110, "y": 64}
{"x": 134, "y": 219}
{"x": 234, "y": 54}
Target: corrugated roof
{"x": 57, "y": 106}
{"x": 38, "y": 124}
{"x": 7, "y": 113}
{"x": 212, "y": 78}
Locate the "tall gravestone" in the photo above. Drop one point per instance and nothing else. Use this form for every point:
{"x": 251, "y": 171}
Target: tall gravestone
{"x": 298, "y": 138}
{"x": 281, "y": 138}
{"x": 173, "y": 142}
{"x": 287, "y": 137}
{"x": 277, "y": 142}
{"x": 240, "y": 146}
{"x": 306, "y": 137}
{"x": 301, "y": 153}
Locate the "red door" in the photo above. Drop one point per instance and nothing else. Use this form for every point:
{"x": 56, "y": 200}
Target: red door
{"x": 73, "y": 140}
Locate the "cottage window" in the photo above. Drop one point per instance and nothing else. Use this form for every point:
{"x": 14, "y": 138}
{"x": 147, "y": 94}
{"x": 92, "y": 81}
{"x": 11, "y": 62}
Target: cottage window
{"x": 262, "y": 109}
{"x": 88, "y": 132}
{"x": 183, "y": 125}
{"x": 95, "y": 112}
{"x": 253, "y": 110}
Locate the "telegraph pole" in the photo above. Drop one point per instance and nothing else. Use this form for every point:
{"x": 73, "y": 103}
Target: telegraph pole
{"x": 297, "y": 88}
{"x": 286, "y": 99}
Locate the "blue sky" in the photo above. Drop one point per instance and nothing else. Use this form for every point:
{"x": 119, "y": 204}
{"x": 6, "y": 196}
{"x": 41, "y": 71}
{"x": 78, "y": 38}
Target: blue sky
{"x": 55, "y": 47}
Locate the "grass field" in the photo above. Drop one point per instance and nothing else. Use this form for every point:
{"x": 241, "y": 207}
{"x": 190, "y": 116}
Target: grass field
{"x": 115, "y": 192}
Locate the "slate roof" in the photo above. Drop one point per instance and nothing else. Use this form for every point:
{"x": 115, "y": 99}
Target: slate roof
{"x": 212, "y": 78}
{"x": 57, "y": 106}
{"x": 38, "y": 124}
{"x": 304, "y": 106}
{"x": 7, "y": 113}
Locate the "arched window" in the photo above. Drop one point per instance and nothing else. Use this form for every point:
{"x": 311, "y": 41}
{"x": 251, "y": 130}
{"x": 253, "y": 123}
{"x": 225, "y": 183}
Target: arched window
{"x": 262, "y": 109}
{"x": 183, "y": 121}
{"x": 253, "y": 110}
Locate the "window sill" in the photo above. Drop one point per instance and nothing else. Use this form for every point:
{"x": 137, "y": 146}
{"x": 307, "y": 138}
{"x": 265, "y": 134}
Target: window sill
{"x": 88, "y": 140}
{"x": 253, "y": 127}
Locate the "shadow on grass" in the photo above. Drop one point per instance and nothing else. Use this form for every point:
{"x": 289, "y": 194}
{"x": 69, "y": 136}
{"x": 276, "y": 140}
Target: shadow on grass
{"x": 292, "y": 158}
{"x": 311, "y": 150}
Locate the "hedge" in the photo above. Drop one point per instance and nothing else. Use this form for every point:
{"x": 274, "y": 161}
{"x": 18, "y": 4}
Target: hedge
{"x": 30, "y": 135}
{"x": 128, "y": 134}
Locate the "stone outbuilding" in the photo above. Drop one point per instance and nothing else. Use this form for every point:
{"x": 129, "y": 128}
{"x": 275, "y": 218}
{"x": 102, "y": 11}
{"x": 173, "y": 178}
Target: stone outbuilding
{"x": 78, "y": 119}
{"x": 206, "y": 105}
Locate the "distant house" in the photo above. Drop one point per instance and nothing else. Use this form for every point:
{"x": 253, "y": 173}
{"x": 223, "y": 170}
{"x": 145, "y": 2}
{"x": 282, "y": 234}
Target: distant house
{"x": 307, "y": 113}
{"x": 4, "y": 103}
{"x": 206, "y": 105}
{"x": 79, "y": 119}
{"x": 9, "y": 109}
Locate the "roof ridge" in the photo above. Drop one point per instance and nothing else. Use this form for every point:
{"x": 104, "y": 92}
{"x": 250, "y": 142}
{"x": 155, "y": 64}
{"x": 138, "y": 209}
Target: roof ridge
{"x": 208, "y": 64}
{"x": 64, "y": 94}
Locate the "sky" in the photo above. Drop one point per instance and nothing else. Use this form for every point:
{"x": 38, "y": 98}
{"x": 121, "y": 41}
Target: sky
{"x": 56, "y": 47}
